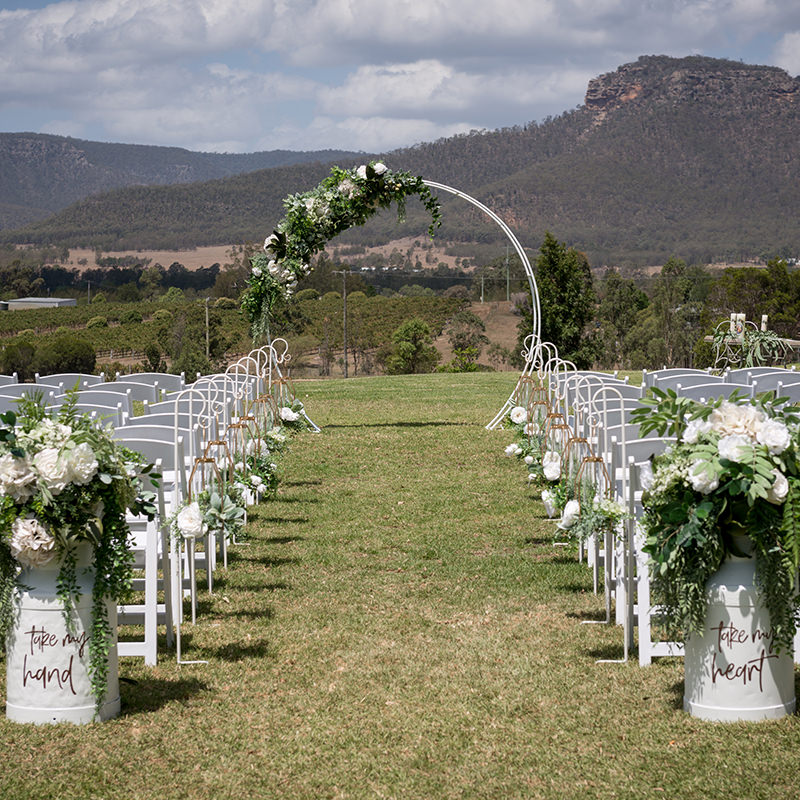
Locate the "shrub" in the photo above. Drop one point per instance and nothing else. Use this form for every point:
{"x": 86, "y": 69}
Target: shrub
{"x": 130, "y": 317}
{"x": 162, "y": 315}
{"x": 97, "y": 322}
{"x": 67, "y": 353}
{"x": 307, "y": 294}
{"x": 225, "y": 303}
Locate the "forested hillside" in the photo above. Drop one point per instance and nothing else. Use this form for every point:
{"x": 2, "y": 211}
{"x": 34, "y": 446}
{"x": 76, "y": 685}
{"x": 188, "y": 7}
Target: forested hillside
{"x": 692, "y": 157}
{"x": 41, "y": 174}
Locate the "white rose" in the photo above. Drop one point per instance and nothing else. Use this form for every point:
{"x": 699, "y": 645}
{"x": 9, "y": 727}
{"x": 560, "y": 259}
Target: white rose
{"x": 549, "y": 500}
{"x": 513, "y": 449}
{"x": 736, "y": 447}
{"x": 271, "y": 240}
{"x": 702, "y": 477}
{"x": 774, "y": 435}
{"x": 31, "y": 545}
{"x": 239, "y": 466}
{"x": 779, "y": 489}
{"x": 528, "y": 460}
{"x": 362, "y": 172}
{"x": 519, "y": 415}
{"x": 256, "y": 481}
{"x": 696, "y": 428}
{"x": 273, "y": 267}
{"x": 646, "y": 476}
{"x": 190, "y": 521}
{"x": 731, "y": 419}
{"x": 261, "y": 488}
{"x": 17, "y": 479}
{"x": 379, "y": 168}
{"x": 256, "y": 270}
{"x": 570, "y": 514}
{"x": 551, "y": 465}
{"x": 287, "y": 415}
{"x": 82, "y": 464}
{"x": 529, "y": 429}
{"x": 53, "y": 471}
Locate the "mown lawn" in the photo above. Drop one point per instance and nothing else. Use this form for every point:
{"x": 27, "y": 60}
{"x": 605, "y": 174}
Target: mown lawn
{"x": 400, "y": 626}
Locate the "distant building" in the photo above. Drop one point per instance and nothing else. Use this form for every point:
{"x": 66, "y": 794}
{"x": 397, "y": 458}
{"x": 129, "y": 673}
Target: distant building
{"x": 40, "y": 302}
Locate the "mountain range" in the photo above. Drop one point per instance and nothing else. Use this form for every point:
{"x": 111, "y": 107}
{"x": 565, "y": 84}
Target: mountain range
{"x": 693, "y": 157}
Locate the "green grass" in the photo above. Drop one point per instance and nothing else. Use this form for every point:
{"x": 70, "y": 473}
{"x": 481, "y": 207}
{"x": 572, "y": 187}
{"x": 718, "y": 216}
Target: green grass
{"x": 400, "y": 626}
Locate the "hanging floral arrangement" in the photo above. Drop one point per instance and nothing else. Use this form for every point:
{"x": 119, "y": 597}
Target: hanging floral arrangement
{"x": 344, "y": 199}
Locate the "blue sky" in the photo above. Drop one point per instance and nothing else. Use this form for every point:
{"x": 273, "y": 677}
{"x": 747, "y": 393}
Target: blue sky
{"x": 372, "y": 75}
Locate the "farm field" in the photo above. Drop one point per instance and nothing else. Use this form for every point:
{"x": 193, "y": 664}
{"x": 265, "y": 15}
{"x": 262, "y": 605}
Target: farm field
{"x": 399, "y": 625}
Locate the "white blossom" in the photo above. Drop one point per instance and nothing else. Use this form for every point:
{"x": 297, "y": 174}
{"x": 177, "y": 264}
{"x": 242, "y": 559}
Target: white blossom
{"x": 31, "y": 544}
{"x": 287, "y": 415}
{"x": 551, "y": 465}
{"x": 702, "y": 477}
{"x": 646, "y": 477}
{"x": 731, "y": 419}
{"x": 362, "y": 172}
{"x": 82, "y": 464}
{"x": 270, "y": 241}
{"x": 696, "y": 428}
{"x": 549, "y": 500}
{"x": 570, "y": 514}
{"x": 529, "y": 460}
{"x": 735, "y": 447}
{"x": 779, "y": 489}
{"x": 518, "y": 415}
{"x": 379, "y": 167}
{"x": 53, "y": 470}
{"x": 190, "y": 521}
{"x": 775, "y": 436}
{"x": 17, "y": 479}
{"x": 513, "y": 449}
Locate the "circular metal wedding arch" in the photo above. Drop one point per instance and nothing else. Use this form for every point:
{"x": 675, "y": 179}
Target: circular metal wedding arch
{"x": 535, "y": 305}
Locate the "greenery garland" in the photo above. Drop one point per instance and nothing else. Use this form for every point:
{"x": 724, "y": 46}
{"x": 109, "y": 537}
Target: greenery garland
{"x": 347, "y": 197}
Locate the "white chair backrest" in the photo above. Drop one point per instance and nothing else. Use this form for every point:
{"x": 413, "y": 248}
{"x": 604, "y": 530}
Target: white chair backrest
{"x": 172, "y": 458}
{"x": 749, "y": 374}
{"x": 7, "y": 380}
{"x": 768, "y": 382}
{"x": 69, "y": 379}
{"x": 137, "y": 391}
{"x": 165, "y": 380}
{"x": 790, "y": 390}
{"x": 115, "y": 415}
{"x": 29, "y": 389}
{"x": 649, "y": 377}
{"x": 685, "y": 379}
{"x": 707, "y": 391}
{"x": 99, "y": 397}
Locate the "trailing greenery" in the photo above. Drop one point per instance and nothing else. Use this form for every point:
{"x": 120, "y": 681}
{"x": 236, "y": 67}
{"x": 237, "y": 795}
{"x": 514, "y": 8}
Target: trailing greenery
{"x": 65, "y": 482}
{"x": 734, "y": 470}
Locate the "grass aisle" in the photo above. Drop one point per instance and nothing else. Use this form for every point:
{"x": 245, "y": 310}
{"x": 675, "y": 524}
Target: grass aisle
{"x": 400, "y": 626}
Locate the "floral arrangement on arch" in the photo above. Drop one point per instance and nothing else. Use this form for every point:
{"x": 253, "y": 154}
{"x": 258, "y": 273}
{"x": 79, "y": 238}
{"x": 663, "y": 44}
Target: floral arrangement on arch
{"x": 65, "y": 481}
{"x": 735, "y": 470}
{"x": 347, "y": 197}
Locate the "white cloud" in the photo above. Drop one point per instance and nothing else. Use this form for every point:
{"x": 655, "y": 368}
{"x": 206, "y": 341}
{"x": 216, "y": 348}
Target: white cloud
{"x": 787, "y": 52}
{"x": 345, "y": 73}
{"x": 439, "y": 91}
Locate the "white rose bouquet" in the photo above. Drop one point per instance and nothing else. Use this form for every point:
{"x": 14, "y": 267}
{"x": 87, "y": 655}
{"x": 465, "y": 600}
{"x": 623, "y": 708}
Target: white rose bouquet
{"x": 734, "y": 470}
{"x": 64, "y": 480}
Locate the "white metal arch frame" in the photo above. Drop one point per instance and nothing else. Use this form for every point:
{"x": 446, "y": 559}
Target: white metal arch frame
{"x": 536, "y": 307}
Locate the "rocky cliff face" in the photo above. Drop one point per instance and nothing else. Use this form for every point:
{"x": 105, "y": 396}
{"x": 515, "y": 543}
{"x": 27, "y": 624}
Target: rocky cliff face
{"x": 663, "y": 80}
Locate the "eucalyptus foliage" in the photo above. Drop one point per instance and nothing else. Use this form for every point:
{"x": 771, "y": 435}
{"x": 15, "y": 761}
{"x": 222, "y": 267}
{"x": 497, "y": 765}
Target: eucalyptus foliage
{"x": 734, "y": 470}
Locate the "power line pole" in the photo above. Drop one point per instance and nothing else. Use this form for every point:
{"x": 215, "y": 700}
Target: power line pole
{"x": 344, "y": 274}
{"x": 508, "y": 279}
